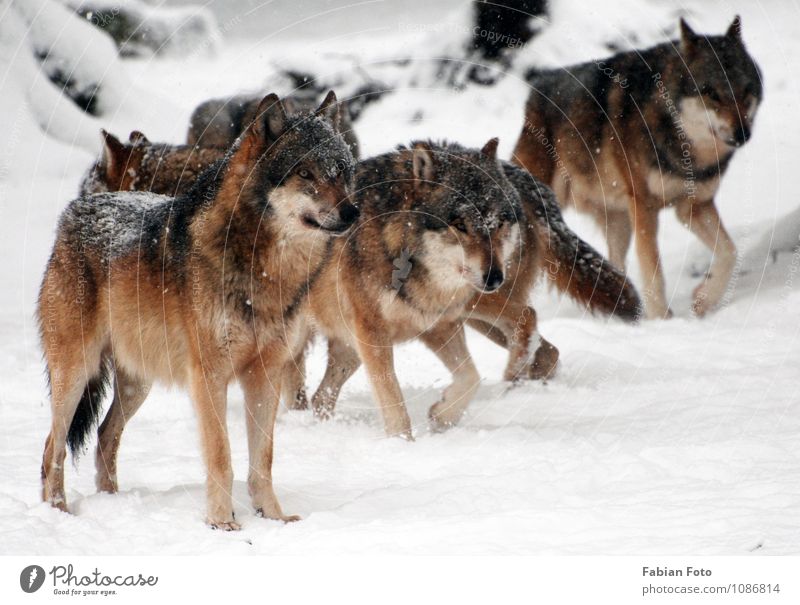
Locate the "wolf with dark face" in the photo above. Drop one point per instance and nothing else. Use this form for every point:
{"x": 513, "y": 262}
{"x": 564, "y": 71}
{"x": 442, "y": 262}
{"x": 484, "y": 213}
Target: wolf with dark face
{"x": 623, "y": 138}
{"x": 439, "y": 229}
{"x": 194, "y": 290}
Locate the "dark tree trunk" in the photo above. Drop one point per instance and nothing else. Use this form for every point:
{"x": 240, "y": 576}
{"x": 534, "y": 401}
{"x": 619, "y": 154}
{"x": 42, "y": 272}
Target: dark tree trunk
{"x": 500, "y": 28}
{"x": 504, "y": 25}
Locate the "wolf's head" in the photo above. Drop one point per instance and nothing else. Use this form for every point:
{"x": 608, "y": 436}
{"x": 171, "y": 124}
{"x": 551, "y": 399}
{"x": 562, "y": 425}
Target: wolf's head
{"x": 298, "y": 166}
{"x": 470, "y": 214}
{"x": 723, "y": 89}
{"x": 118, "y": 166}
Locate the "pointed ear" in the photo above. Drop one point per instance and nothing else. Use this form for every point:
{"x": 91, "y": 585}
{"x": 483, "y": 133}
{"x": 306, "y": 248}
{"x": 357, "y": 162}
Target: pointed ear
{"x": 267, "y": 125}
{"x": 688, "y": 37}
{"x": 137, "y": 138}
{"x": 490, "y": 149}
{"x": 423, "y": 163}
{"x": 114, "y": 153}
{"x": 735, "y": 30}
{"x": 330, "y": 110}
{"x": 270, "y": 120}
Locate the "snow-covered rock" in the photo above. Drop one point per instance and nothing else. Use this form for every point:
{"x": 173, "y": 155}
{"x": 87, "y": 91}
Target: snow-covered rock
{"x": 140, "y": 29}
{"x": 75, "y": 55}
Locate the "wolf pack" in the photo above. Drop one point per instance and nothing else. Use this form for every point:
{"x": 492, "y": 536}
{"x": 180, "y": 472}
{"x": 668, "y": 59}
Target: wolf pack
{"x": 221, "y": 260}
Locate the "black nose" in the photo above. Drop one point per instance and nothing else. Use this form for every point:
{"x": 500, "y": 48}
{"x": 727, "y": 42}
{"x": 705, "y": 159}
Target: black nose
{"x": 348, "y": 213}
{"x": 742, "y": 134}
{"x": 492, "y": 280}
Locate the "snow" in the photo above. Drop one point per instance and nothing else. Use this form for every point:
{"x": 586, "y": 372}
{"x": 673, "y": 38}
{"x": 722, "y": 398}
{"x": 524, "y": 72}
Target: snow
{"x": 74, "y": 48}
{"x": 154, "y": 29}
{"x": 671, "y": 437}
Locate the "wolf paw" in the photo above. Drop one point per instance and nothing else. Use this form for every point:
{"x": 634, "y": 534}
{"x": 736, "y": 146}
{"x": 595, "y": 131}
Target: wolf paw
{"x": 59, "y": 504}
{"x": 106, "y": 484}
{"x": 544, "y": 362}
{"x": 441, "y": 419}
{"x": 701, "y": 304}
{"x": 277, "y": 516}
{"x": 399, "y": 427}
{"x": 224, "y": 525}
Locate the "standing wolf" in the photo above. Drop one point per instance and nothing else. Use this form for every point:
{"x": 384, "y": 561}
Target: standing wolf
{"x": 196, "y": 290}
{"x": 623, "y": 138}
{"x": 439, "y": 223}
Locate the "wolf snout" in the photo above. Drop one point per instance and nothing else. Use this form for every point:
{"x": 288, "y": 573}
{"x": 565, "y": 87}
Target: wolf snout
{"x": 741, "y": 135}
{"x": 341, "y": 219}
{"x": 492, "y": 280}
{"x": 348, "y": 213}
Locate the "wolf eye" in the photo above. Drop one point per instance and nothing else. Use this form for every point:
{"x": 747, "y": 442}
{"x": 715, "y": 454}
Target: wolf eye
{"x": 459, "y": 224}
{"x": 711, "y": 93}
{"x": 303, "y": 173}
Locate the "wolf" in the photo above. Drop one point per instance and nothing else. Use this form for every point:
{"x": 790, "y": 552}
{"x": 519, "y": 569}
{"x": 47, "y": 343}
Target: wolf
{"x": 193, "y": 290}
{"x": 440, "y": 225}
{"x": 623, "y": 138}
{"x": 140, "y": 165}
{"x": 449, "y": 236}
{"x": 217, "y": 122}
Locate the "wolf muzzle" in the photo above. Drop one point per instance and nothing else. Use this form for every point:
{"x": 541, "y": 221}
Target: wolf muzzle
{"x": 741, "y": 135}
{"x": 341, "y": 219}
{"x": 492, "y": 280}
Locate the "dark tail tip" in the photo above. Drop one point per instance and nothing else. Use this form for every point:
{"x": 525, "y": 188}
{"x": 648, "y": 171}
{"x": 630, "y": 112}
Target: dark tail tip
{"x": 88, "y": 411}
{"x": 617, "y": 295}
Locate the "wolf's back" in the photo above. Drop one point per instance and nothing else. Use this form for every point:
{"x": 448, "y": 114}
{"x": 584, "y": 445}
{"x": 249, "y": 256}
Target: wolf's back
{"x": 573, "y": 265}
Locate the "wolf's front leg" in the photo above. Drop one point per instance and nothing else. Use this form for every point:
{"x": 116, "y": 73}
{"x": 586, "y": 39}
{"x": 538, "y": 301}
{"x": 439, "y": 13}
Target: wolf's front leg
{"x": 448, "y": 342}
{"x": 377, "y": 353}
{"x": 343, "y": 361}
{"x": 209, "y": 395}
{"x": 507, "y": 319}
{"x": 645, "y": 220}
{"x": 703, "y": 220}
{"x": 261, "y": 383}
{"x": 294, "y": 382}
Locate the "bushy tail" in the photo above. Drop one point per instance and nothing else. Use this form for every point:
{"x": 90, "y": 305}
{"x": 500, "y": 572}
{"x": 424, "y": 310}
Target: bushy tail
{"x": 89, "y": 408}
{"x": 574, "y": 266}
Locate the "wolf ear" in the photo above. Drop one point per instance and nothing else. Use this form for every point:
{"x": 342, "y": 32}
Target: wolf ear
{"x": 330, "y": 110}
{"x": 137, "y": 138}
{"x": 267, "y": 125}
{"x": 270, "y": 120}
{"x": 422, "y": 162}
{"x": 735, "y": 30}
{"x": 688, "y": 37}
{"x": 490, "y": 149}
{"x": 114, "y": 153}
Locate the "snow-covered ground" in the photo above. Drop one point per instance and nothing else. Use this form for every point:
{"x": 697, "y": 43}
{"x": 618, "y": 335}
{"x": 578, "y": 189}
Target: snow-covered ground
{"x": 678, "y": 436}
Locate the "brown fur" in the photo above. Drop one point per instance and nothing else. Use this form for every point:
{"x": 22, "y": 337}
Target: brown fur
{"x": 568, "y": 262}
{"x": 194, "y": 291}
{"x": 361, "y": 326}
{"x": 363, "y": 312}
{"x": 141, "y": 165}
{"x": 605, "y": 137}
{"x": 217, "y": 122}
